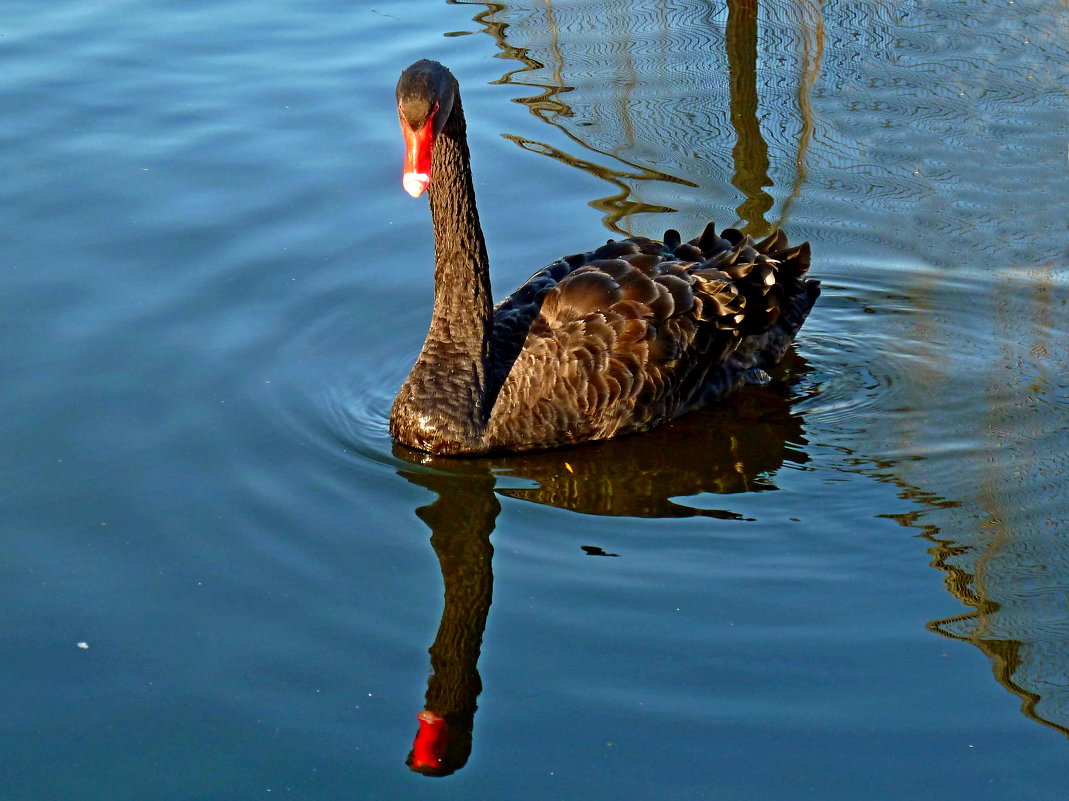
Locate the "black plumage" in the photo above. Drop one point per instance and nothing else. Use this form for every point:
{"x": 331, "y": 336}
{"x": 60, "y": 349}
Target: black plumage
{"x": 594, "y": 345}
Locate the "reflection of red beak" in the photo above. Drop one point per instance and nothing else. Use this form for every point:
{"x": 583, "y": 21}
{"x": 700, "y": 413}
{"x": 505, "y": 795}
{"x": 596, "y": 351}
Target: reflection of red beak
{"x": 428, "y": 749}
{"x": 418, "y": 146}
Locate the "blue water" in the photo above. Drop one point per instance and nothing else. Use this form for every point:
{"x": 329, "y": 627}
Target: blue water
{"x": 222, "y": 580}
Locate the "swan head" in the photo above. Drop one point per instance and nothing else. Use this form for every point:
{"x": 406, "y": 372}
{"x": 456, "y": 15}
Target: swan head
{"x": 425, "y": 94}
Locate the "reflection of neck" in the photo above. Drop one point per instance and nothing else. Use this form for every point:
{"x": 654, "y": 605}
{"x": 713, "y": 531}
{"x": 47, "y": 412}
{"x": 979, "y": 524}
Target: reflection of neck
{"x": 465, "y": 558}
{"x": 461, "y": 520}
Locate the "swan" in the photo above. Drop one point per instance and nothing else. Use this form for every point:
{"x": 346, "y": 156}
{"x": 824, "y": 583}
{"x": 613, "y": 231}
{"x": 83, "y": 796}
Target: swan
{"x": 600, "y": 344}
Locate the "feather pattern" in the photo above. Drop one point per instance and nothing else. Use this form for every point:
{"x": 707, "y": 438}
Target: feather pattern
{"x": 629, "y": 336}
{"x": 595, "y": 345}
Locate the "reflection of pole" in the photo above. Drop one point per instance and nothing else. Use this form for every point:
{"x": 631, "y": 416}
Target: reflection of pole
{"x": 811, "y": 27}
{"x": 461, "y": 520}
{"x": 750, "y": 153}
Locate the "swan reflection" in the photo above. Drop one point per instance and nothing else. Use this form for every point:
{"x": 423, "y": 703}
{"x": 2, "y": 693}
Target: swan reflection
{"x": 738, "y": 446}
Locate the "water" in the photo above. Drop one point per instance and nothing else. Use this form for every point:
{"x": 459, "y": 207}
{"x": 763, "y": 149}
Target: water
{"x": 849, "y": 584}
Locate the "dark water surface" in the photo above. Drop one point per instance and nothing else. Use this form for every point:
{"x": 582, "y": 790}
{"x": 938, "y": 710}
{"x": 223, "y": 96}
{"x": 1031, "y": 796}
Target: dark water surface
{"x": 852, "y": 583}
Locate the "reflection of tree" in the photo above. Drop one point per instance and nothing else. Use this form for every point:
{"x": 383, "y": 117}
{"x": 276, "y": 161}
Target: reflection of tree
{"x": 736, "y": 447}
{"x": 550, "y": 108}
{"x": 615, "y": 207}
{"x": 998, "y": 548}
{"x": 810, "y": 27}
{"x": 1007, "y": 656}
{"x": 687, "y": 121}
{"x": 751, "y": 151}
{"x": 976, "y": 627}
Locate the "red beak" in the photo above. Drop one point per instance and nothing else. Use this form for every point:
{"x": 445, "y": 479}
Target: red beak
{"x": 431, "y": 739}
{"x": 418, "y": 146}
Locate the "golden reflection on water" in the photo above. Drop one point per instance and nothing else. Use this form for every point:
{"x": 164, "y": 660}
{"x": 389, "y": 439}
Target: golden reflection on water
{"x": 995, "y": 510}
{"x": 615, "y": 120}
{"x": 622, "y": 123}
{"x": 980, "y": 627}
{"x": 810, "y": 27}
{"x": 750, "y": 153}
{"x": 996, "y": 517}
{"x": 549, "y": 107}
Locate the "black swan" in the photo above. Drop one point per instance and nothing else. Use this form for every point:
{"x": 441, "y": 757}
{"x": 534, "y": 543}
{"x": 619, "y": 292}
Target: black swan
{"x": 593, "y": 346}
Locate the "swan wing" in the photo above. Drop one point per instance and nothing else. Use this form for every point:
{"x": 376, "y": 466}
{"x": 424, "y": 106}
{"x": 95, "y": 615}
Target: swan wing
{"x": 626, "y": 337}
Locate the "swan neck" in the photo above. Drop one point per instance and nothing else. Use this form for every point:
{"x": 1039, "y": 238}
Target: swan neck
{"x": 448, "y": 390}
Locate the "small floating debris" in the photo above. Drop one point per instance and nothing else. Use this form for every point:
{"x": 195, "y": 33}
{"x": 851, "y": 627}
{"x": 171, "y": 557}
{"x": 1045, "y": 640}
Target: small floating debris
{"x": 594, "y": 550}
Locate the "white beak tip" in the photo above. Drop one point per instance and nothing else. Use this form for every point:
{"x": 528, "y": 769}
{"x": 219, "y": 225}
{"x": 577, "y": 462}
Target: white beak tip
{"x": 416, "y": 183}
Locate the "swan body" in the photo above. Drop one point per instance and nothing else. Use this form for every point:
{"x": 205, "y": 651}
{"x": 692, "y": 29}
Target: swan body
{"x": 613, "y": 341}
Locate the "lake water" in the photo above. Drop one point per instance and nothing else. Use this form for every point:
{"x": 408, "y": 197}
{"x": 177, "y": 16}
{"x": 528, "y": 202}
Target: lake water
{"x": 222, "y": 580}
